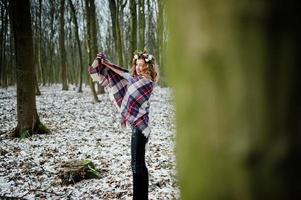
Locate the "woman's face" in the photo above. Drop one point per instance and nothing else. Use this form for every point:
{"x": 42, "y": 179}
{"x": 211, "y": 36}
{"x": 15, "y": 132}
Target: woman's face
{"x": 139, "y": 66}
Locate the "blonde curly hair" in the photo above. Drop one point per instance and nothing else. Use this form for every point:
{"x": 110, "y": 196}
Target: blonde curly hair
{"x": 150, "y": 69}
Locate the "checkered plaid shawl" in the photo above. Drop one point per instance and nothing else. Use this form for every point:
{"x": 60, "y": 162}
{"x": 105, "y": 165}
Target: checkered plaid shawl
{"x": 129, "y": 94}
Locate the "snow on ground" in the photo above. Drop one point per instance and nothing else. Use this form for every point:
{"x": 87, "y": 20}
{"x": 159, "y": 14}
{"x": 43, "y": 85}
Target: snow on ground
{"x": 84, "y": 130}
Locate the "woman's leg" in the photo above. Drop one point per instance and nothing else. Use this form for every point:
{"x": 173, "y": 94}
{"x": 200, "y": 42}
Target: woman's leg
{"x": 140, "y": 173}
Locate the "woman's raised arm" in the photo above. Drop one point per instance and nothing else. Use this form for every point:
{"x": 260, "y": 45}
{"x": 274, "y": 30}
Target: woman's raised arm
{"x": 112, "y": 67}
{"x": 118, "y": 70}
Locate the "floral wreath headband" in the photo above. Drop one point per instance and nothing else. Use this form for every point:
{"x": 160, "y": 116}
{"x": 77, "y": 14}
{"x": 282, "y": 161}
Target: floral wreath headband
{"x": 148, "y": 58}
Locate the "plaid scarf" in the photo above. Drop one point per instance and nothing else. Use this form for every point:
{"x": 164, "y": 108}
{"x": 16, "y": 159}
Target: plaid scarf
{"x": 129, "y": 94}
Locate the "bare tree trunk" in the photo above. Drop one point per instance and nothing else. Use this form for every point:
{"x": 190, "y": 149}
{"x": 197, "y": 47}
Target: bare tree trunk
{"x": 2, "y": 43}
{"x": 37, "y": 73}
{"x": 141, "y": 29}
{"x": 110, "y": 42}
{"x": 89, "y": 44}
{"x": 3, "y": 39}
{"x": 133, "y": 10}
{"x": 74, "y": 18}
{"x": 149, "y": 26}
{"x": 119, "y": 35}
{"x": 27, "y": 116}
{"x": 116, "y": 30}
{"x": 121, "y": 4}
{"x": 94, "y": 45}
{"x": 236, "y": 73}
{"x": 62, "y": 46}
{"x": 51, "y": 75}
{"x": 10, "y": 79}
{"x": 39, "y": 50}
{"x": 36, "y": 84}
{"x": 2, "y": 36}
{"x": 161, "y": 40}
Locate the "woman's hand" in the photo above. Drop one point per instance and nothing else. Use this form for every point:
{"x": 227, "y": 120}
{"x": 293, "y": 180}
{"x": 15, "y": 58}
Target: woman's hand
{"x": 101, "y": 56}
{"x": 102, "y": 61}
{"x": 105, "y": 62}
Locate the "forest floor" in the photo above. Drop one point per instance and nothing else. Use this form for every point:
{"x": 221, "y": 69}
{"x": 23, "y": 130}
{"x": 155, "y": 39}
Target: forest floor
{"x": 82, "y": 130}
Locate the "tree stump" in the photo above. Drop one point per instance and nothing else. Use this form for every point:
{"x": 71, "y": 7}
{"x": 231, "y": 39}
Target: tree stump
{"x": 76, "y": 170}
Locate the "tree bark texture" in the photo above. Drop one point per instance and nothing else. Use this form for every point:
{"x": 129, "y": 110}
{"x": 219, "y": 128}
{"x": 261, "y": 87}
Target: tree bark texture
{"x": 27, "y": 117}
{"x": 62, "y": 46}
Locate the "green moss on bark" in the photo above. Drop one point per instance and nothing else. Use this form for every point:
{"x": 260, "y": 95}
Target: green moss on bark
{"x": 27, "y": 132}
{"x": 42, "y": 129}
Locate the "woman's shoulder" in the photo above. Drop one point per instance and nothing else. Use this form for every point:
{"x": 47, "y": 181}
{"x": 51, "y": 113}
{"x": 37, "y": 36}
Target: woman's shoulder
{"x": 144, "y": 79}
{"x": 134, "y": 79}
{"x": 127, "y": 76}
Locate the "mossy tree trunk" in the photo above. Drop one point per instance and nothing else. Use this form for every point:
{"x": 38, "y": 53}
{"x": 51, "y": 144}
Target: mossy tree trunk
{"x": 27, "y": 116}
{"x": 235, "y": 67}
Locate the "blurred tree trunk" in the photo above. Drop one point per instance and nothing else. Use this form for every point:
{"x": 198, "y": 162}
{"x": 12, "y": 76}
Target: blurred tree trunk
{"x": 94, "y": 45}
{"x": 27, "y": 116}
{"x": 11, "y": 63}
{"x": 133, "y": 10}
{"x": 235, "y": 67}
{"x": 149, "y": 26}
{"x": 89, "y": 43}
{"x": 62, "y": 46}
{"x": 3, "y": 38}
{"x": 161, "y": 40}
{"x": 36, "y": 84}
{"x": 74, "y": 18}
{"x": 119, "y": 36}
{"x": 110, "y": 42}
{"x": 51, "y": 74}
{"x": 113, "y": 12}
{"x": 39, "y": 50}
{"x": 141, "y": 9}
{"x": 152, "y": 27}
{"x": 133, "y": 42}
{"x": 121, "y": 6}
{"x": 6, "y": 44}
{"x": 116, "y": 30}
{"x": 2, "y": 43}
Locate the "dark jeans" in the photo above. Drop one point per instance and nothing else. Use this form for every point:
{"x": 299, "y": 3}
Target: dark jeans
{"x": 140, "y": 173}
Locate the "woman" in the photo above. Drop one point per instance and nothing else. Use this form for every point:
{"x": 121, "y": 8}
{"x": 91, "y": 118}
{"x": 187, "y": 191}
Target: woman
{"x": 130, "y": 93}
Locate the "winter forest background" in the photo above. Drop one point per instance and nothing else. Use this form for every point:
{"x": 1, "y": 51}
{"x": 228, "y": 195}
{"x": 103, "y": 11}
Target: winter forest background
{"x": 68, "y": 34}
{"x": 57, "y": 127}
